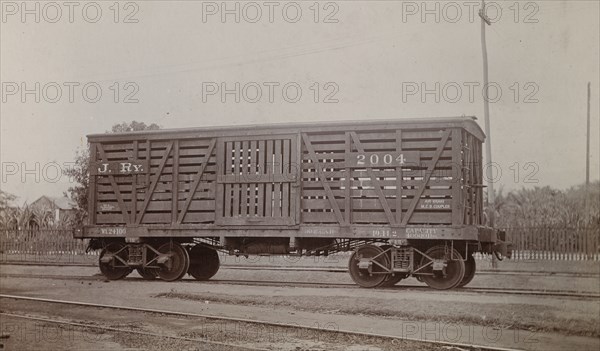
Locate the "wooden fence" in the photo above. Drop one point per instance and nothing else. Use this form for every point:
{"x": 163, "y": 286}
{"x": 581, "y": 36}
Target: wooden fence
{"x": 555, "y": 244}
{"x": 536, "y": 243}
{"x": 43, "y": 245}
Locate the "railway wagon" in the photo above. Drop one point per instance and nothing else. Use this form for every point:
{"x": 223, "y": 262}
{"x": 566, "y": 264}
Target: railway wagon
{"x": 404, "y": 196}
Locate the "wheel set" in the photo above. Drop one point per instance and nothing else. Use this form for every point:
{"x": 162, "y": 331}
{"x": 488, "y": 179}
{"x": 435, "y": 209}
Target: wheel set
{"x": 113, "y": 261}
{"x": 452, "y": 267}
{"x": 169, "y": 262}
{"x": 440, "y": 267}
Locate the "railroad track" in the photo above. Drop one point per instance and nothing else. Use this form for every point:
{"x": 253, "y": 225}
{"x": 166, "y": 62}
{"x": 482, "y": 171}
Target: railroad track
{"x": 443, "y": 344}
{"x": 319, "y": 269}
{"x": 127, "y": 331}
{"x": 399, "y": 287}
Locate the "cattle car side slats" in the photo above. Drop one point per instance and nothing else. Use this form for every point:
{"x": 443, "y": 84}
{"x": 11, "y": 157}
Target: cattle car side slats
{"x": 289, "y": 177}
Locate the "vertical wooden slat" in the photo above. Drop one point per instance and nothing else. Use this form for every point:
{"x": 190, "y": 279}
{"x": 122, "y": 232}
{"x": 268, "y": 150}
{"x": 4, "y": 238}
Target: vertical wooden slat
{"x": 567, "y": 243}
{"x": 470, "y": 182}
{"x": 269, "y": 186}
{"x": 348, "y": 184}
{"x": 236, "y": 170}
{"x": 474, "y": 154}
{"x": 578, "y": 244}
{"x": 479, "y": 180}
{"x": 148, "y": 159}
{"x": 243, "y": 178}
{"x": 586, "y": 241}
{"x": 252, "y": 170}
{"x": 472, "y": 194}
{"x": 575, "y": 243}
{"x": 262, "y": 145}
{"x": 277, "y": 186}
{"x": 465, "y": 174}
{"x": 457, "y": 204}
{"x": 296, "y": 161}
{"x": 556, "y": 245}
{"x": 227, "y": 169}
{"x": 549, "y": 241}
{"x": 92, "y": 183}
{"x": 471, "y": 167}
{"x": 544, "y": 233}
{"x": 556, "y": 248}
{"x": 134, "y": 183}
{"x": 220, "y": 197}
{"x": 175, "y": 182}
{"x": 539, "y": 243}
{"x": 285, "y": 188}
{"x": 399, "y": 177}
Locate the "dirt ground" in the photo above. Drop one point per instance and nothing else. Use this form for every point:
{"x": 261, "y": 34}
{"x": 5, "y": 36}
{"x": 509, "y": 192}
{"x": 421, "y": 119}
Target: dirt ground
{"x": 206, "y": 334}
{"x": 524, "y": 322}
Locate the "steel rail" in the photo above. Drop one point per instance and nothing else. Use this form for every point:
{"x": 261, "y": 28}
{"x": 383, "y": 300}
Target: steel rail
{"x": 253, "y": 321}
{"x": 317, "y": 269}
{"x": 129, "y": 331}
{"x": 505, "y": 291}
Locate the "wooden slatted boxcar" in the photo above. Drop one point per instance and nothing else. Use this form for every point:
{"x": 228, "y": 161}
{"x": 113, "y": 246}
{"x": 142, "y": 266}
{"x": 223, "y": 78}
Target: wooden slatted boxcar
{"x": 405, "y": 195}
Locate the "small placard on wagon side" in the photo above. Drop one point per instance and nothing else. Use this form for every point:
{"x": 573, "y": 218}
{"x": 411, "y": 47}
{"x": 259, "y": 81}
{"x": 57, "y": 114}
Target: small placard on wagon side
{"x": 119, "y": 168}
{"x": 383, "y": 159}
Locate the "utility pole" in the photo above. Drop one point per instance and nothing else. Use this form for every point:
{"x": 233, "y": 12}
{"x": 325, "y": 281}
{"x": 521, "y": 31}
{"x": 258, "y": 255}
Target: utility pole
{"x": 587, "y": 149}
{"x": 587, "y": 173}
{"x": 486, "y": 110}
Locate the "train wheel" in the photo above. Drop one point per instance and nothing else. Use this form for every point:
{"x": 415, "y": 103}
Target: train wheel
{"x": 204, "y": 262}
{"x": 470, "y": 268}
{"x": 358, "y": 266}
{"x": 177, "y": 264}
{"x": 451, "y": 275}
{"x": 148, "y": 273}
{"x": 112, "y": 261}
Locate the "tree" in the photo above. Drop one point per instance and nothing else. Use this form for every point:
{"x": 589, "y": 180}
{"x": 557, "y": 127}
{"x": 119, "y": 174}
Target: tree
{"x": 79, "y": 174}
{"x": 6, "y": 200}
{"x": 549, "y": 208}
{"x": 7, "y": 211}
{"x": 133, "y": 127}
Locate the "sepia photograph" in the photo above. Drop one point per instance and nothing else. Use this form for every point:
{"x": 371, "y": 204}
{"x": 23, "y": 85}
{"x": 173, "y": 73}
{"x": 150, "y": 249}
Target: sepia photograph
{"x": 361, "y": 175}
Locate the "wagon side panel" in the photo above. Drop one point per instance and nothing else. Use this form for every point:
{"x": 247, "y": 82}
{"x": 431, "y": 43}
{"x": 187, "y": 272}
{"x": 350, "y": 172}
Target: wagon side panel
{"x": 394, "y": 177}
{"x": 153, "y": 182}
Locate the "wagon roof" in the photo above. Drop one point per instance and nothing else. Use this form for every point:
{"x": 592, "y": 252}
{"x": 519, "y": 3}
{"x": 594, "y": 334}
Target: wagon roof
{"x": 468, "y": 123}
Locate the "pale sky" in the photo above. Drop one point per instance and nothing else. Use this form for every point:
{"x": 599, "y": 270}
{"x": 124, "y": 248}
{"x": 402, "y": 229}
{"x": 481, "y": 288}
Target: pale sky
{"x": 374, "y": 58}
